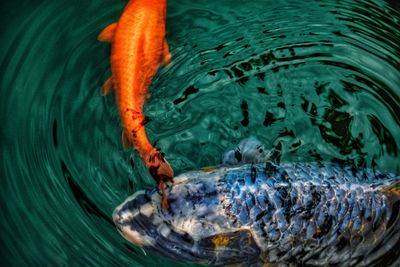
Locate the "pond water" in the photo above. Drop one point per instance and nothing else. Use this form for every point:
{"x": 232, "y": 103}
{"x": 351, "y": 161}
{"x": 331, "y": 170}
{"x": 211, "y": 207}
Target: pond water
{"x": 313, "y": 80}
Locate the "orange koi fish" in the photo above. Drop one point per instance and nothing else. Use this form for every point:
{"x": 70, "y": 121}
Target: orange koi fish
{"x": 138, "y": 48}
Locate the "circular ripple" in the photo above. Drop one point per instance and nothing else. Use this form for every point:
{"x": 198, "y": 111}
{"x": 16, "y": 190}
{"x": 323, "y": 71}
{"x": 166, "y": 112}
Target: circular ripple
{"x": 314, "y": 80}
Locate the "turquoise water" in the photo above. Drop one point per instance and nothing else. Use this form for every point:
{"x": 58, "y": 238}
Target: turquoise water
{"x": 313, "y": 80}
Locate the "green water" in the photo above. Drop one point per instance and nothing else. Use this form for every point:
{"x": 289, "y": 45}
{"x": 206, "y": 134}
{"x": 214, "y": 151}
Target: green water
{"x": 313, "y": 80}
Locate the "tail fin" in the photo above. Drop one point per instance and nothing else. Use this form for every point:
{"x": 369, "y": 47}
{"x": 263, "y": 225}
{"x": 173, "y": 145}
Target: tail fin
{"x": 161, "y": 172}
{"x": 159, "y": 167}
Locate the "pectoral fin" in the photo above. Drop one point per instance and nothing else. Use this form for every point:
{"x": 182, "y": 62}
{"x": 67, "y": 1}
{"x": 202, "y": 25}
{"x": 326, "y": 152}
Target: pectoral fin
{"x": 239, "y": 245}
{"x": 392, "y": 190}
{"x": 166, "y": 57}
{"x": 107, "y": 86}
{"x": 107, "y": 34}
{"x": 208, "y": 168}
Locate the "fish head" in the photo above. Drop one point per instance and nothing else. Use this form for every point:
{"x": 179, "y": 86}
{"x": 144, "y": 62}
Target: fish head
{"x": 194, "y": 227}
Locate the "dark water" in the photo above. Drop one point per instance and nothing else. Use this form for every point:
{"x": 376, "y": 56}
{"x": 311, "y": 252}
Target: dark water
{"x": 313, "y": 80}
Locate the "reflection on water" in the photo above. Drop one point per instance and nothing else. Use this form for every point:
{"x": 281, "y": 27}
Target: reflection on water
{"x": 315, "y": 80}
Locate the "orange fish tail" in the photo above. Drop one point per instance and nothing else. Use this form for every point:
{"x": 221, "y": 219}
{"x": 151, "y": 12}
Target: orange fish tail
{"x": 135, "y": 136}
{"x": 159, "y": 167}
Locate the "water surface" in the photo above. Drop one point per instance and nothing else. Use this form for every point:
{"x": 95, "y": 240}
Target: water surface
{"x": 313, "y": 80}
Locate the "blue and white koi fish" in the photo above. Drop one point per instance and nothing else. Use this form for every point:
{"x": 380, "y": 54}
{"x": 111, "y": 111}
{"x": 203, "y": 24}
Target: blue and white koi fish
{"x": 252, "y": 212}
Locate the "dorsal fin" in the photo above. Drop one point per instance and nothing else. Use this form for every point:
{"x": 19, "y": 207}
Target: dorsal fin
{"x": 249, "y": 150}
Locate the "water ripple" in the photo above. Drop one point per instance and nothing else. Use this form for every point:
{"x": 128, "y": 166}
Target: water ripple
{"x": 314, "y": 80}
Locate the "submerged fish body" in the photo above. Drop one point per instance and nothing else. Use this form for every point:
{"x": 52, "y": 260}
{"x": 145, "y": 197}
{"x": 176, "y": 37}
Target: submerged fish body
{"x": 293, "y": 213}
{"x": 138, "y": 48}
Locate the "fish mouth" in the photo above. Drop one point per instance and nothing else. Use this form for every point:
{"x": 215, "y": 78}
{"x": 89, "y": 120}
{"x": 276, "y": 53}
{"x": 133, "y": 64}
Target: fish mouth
{"x": 133, "y": 219}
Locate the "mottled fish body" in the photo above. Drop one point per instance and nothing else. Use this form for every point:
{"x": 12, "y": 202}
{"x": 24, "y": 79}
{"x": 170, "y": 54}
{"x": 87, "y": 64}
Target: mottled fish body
{"x": 293, "y": 213}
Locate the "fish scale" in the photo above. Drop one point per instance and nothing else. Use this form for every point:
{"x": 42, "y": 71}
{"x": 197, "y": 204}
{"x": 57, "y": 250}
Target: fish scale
{"x": 307, "y": 212}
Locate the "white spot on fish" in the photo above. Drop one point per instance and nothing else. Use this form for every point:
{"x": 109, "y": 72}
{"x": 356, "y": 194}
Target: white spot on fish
{"x": 147, "y": 209}
{"x": 135, "y": 237}
{"x": 164, "y": 230}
